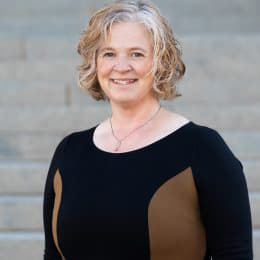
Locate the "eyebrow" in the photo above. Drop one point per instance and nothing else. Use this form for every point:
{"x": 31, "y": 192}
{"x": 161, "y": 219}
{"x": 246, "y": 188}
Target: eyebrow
{"x": 131, "y": 49}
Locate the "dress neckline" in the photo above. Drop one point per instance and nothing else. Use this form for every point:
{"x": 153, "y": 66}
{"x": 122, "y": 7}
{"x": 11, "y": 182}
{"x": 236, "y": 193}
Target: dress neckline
{"x": 141, "y": 149}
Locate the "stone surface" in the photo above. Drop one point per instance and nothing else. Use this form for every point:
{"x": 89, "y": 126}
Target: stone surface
{"x": 197, "y": 91}
{"x": 49, "y": 119}
{"x": 38, "y": 18}
{"x": 207, "y": 67}
{"x": 12, "y": 48}
{"x": 251, "y": 170}
{"x": 255, "y": 209}
{"x": 31, "y": 146}
{"x": 21, "y": 213}
{"x": 44, "y": 119}
{"x": 38, "y": 70}
{"x": 243, "y": 144}
{"x": 256, "y": 244}
{"x": 51, "y": 48}
{"x": 19, "y": 94}
{"x": 22, "y": 246}
{"x": 229, "y": 73}
{"x": 27, "y": 178}
{"x": 21, "y": 178}
{"x": 40, "y": 102}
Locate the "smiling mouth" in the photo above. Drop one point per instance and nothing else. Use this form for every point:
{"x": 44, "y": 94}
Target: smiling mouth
{"x": 123, "y": 81}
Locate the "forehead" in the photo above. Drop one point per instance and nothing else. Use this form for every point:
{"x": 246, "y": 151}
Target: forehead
{"x": 128, "y": 35}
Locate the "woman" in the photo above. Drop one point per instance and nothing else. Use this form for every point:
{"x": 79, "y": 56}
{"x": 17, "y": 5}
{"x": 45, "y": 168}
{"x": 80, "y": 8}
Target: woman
{"x": 146, "y": 183}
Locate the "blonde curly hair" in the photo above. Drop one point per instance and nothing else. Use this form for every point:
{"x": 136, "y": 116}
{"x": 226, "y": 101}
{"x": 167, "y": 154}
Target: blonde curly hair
{"x": 168, "y": 67}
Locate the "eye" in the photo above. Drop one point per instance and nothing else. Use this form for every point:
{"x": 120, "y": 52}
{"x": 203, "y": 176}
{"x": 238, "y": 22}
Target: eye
{"x": 108, "y": 54}
{"x": 137, "y": 54}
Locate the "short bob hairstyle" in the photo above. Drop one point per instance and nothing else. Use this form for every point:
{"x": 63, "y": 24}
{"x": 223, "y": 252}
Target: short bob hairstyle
{"x": 168, "y": 67}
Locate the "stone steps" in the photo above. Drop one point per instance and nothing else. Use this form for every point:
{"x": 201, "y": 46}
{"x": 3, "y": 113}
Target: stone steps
{"x": 66, "y": 70}
{"x": 41, "y": 102}
{"x": 21, "y": 245}
{"x": 208, "y": 66}
{"x": 56, "y": 119}
{"x": 28, "y": 178}
{"x": 39, "y": 71}
{"x": 35, "y": 8}
{"x": 25, "y": 178}
{"x": 38, "y": 18}
{"x": 29, "y": 210}
{"x": 31, "y": 146}
{"x": 196, "y": 47}
{"x": 199, "y": 91}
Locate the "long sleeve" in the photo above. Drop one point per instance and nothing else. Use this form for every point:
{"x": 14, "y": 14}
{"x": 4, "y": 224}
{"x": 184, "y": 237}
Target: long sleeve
{"x": 223, "y": 198}
{"x": 50, "y": 251}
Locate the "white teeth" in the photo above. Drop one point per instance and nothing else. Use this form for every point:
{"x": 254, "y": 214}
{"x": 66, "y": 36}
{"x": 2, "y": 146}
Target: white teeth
{"x": 124, "y": 82}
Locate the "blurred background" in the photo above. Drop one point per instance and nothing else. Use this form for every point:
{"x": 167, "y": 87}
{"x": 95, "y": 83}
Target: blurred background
{"x": 40, "y": 101}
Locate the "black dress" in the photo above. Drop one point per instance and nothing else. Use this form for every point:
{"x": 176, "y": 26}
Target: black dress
{"x": 183, "y": 197}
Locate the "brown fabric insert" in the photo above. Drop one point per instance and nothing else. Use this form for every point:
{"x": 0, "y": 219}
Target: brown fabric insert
{"x": 57, "y": 185}
{"x": 175, "y": 227}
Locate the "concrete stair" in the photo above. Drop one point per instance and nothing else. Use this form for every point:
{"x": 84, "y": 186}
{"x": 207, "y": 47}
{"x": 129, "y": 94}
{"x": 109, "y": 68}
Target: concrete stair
{"x": 65, "y": 17}
{"x": 40, "y": 101}
{"x": 21, "y": 189}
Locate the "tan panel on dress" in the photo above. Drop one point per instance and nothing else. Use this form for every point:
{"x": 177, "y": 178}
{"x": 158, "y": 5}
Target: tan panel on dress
{"x": 175, "y": 227}
{"x": 57, "y": 185}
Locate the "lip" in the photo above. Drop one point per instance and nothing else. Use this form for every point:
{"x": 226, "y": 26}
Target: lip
{"x": 123, "y": 84}
{"x": 124, "y": 79}
{"x": 134, "y": 80}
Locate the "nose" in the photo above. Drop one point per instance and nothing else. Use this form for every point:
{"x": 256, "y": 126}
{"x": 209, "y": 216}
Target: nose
{"x": 122, "y": 65}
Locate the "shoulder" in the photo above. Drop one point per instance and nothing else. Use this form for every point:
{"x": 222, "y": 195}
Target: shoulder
{"x": 211, "y": 151}
{"x": 202, "y": 131}
{"x": 204, "y": 136}
{"x": 74, "y": 138}
{"x": 209, "y": 141}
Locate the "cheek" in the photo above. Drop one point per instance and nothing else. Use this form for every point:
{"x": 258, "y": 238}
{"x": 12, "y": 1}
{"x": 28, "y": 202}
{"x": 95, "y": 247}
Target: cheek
{"x": 103, "y": 69}
{"x": 143, "y": 69}
{"x": 146, "y": 75}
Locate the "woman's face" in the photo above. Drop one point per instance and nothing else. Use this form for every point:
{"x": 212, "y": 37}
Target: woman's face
{"x": 124, "y": 63}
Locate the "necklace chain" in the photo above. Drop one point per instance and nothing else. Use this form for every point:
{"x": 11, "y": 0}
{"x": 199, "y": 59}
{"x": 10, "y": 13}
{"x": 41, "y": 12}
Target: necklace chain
{"x": 119, "y": 141}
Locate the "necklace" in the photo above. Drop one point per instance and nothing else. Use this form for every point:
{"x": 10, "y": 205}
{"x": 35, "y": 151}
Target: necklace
{"x": 119, "y": 141}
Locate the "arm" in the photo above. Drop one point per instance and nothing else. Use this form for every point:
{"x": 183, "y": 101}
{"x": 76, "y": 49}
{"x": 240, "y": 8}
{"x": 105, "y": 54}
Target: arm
{"x": 223, "y": 198}
{"x": 50, "y": 251}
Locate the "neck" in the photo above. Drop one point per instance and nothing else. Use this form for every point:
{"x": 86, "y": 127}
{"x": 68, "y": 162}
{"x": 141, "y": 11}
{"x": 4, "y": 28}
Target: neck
{"x": 131, "y": 116}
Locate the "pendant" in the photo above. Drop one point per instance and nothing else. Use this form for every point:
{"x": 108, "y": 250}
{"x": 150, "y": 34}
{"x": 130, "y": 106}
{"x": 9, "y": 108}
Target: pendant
{"x": 117, "y": 146}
